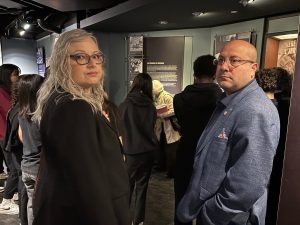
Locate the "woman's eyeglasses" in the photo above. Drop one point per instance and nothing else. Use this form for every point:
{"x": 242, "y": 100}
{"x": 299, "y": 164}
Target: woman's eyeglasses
{"x": 83, "y": 59}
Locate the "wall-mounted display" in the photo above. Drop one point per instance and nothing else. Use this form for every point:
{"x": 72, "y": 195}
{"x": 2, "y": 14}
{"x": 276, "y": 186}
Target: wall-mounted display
{"x": 41, "y": 69}
{"x": 164, "y": 61}
{"x": 161, "y": 57}
{"x": 136, "y": 45}
{"x": 221, "y": 40}
{"x": 287, "y": 54}
{"x": 135, "y": 57}
{"x": 40, "y": 55}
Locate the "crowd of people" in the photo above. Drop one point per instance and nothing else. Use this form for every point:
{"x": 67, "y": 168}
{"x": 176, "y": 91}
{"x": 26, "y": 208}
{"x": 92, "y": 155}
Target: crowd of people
{"x": 74, "y": 157}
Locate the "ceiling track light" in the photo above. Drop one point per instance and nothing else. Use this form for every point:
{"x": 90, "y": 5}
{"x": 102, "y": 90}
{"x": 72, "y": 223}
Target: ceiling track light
{"x": 245, "y": 2}
{"x": 21, "y": 32}
{"x": 197, "y": 14}
{"x": 26, "y": 26}
{"x": 162, "y": 22}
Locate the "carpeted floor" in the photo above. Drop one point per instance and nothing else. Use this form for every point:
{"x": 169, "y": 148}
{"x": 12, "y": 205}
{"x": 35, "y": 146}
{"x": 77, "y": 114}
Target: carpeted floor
{"x": 159, "y": 208}
{"x": 160, "y": 200}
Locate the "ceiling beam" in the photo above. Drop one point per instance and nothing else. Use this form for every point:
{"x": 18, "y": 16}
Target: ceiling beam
{"x": 114, "y": 11}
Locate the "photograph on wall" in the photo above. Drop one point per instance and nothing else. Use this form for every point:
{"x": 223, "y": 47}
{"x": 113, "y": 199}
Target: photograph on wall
{"x": 221, "y": 40}
{"x": 41, "y": 69}
{"x": 40, "y": 54}
{"x": 164, "y": 61}
{"x": 287, "y": 55}
{"x": 135, "y": 57}
{"x": 135, "y": 67}
{"x": 136, "y": 46}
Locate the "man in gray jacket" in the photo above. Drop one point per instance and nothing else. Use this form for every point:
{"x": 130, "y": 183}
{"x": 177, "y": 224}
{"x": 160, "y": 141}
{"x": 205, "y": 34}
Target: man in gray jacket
{"x": 234, "y": 154}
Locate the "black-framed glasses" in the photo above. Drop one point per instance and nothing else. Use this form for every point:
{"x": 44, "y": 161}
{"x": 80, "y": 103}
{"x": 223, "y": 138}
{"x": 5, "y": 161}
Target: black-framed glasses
{"x": 232, "y": 61}
{"x": 83, "y": 58}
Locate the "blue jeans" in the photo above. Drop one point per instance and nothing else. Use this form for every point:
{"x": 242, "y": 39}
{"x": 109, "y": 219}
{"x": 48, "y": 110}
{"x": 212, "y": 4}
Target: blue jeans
{"x": 30, "y": 182}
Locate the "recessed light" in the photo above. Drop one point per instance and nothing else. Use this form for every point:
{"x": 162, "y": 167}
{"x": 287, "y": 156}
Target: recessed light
{"x": 163, "y": 22}
{"x": 233, "y": 11}
{"x": 197, "y": 14}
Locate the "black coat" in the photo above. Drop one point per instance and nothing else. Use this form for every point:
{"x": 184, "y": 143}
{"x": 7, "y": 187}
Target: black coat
{"x": 193, "y": 108}
{"x": 139, "y": 115}
{"x": 82, "y": 178}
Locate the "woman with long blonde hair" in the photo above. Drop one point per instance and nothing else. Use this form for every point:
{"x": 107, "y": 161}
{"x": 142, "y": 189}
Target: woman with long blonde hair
{"x": 82, "y": 178}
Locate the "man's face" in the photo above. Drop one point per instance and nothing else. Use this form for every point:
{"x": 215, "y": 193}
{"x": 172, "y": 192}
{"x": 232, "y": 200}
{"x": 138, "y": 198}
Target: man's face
{"x": 238, "y": 67}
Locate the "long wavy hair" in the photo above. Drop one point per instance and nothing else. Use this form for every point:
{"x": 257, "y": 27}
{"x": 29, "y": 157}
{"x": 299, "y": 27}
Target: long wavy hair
{"x": 6, "y": 71}
{"x": 60, "y": 75}
{"x": 28, "y": 86}
{"x": 142, "y": 83}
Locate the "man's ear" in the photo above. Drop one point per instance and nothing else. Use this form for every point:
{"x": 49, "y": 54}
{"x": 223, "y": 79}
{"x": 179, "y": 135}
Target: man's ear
{"x": 254, "y": 66}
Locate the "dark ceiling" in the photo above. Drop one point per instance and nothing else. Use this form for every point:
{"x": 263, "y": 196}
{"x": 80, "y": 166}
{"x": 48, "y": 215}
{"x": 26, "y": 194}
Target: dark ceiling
{"x": 132, "y": 15}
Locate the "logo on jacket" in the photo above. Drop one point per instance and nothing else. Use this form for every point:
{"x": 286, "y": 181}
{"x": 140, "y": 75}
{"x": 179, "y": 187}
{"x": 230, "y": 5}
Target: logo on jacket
{"x": 223, "y": 135}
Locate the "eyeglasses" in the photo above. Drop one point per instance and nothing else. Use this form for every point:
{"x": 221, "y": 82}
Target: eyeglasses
{"x": 232, "y": 61}
{"x": 83, "y": 59}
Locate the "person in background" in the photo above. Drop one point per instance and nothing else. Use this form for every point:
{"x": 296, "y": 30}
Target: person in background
{"x": 267, "y": 79}
{"x": 282, "y": 96}
{"x": 82, "y": 176}
{"x": 234, "y": 155}
{"x": 138, "y": 115}
{"x": 13, "y": 147}
{"x": 8, "y": 75}
{"x": 193, "y": 108}
{"x": 164, "y": 129}
{"x": 28, "y": 86}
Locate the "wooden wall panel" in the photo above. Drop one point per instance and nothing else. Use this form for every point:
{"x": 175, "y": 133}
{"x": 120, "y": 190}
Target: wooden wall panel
{"x": 271, "y": 53}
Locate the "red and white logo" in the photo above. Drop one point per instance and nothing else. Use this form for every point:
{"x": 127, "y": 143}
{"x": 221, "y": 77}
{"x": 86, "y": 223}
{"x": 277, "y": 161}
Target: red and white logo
{"x": 223, "y": 135}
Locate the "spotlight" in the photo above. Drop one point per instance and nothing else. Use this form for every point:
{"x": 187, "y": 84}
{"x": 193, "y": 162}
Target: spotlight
{"x": 197, "y": 14}
{"x": 163, "y": 22}
{"x": 26, "y": 26}
{"x": 245, "y": 2}
{"x": 21, "y": 32}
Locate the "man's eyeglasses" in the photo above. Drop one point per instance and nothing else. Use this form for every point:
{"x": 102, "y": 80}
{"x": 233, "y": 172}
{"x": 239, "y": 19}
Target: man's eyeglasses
{"x": 232, "y": 61}
{"x": 83, "y": 59}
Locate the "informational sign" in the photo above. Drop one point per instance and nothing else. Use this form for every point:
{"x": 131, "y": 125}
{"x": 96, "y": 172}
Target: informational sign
{"x": 164, "y": 61}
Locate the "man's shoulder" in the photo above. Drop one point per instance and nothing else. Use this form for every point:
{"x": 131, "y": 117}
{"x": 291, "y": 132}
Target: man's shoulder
{"x": 256, "y": 98}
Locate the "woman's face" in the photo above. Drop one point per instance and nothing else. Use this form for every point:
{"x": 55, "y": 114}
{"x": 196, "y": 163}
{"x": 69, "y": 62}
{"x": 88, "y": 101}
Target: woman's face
{"x": 14, "y": 76}
{"x": 89, "y": 74}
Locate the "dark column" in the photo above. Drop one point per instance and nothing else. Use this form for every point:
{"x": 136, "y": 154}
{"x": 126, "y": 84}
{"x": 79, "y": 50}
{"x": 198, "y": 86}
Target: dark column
{"x": 289, "y": 204}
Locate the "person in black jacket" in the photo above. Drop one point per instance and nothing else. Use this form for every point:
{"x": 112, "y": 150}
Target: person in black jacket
{"x": 193, "y": 108}
{"x": 29, "y": 134}
{"x": 13, "y": 147}
{"x": 282, "y": 96}
{"x": 139, "y": 115}
{"x": 82, "y": 177}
